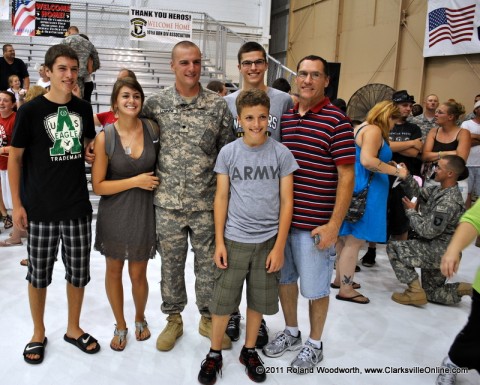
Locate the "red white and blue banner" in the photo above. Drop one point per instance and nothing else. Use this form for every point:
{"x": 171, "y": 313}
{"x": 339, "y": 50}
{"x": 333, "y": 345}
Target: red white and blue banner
{"x": 452, "y": 28}
{"x": 23, "y": 17}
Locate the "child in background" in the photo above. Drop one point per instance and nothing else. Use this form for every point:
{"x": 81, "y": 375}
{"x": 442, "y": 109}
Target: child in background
{"x": 19, "y": 92}
{"x": 7, "y": 120}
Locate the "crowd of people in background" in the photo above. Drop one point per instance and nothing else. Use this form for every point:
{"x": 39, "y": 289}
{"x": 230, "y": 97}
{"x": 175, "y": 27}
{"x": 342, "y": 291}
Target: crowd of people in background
{"x": 185, "y": 165}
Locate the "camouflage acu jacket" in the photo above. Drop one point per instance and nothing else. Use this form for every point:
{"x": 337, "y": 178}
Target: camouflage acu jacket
{"x": 191, "y": 136}
{"x": 84, "y": 50}
{"x": 425, "y": 124}
{"x": 439, "y": 212}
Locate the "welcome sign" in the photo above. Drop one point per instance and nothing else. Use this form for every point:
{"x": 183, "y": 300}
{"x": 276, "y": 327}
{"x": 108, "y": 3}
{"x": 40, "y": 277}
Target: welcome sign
{"x": 160, "y": 26}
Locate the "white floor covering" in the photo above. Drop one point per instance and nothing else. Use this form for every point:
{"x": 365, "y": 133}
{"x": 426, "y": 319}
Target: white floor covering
{"x": 381, "y": 334}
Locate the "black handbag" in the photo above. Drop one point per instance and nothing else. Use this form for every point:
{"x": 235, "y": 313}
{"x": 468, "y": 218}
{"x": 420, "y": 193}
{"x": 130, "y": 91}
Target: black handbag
{"x": 359, "y": 200}
{"x": 357, "y": 205}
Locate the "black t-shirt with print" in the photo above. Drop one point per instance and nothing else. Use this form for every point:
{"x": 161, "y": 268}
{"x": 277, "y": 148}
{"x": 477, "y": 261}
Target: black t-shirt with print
{"x": 401, "y": 133}
{"x": 53, "y": 162}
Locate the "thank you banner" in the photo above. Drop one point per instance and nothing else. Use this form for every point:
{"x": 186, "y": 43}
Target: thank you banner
{"x": 160, "y": 26}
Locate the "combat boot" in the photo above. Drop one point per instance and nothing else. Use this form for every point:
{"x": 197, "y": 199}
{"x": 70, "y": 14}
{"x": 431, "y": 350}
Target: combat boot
{"x": 414, "y": 295}
{"x": 171, "y": 332}
{"x": 205, "y": 329}
{"x": 464, "y": 288}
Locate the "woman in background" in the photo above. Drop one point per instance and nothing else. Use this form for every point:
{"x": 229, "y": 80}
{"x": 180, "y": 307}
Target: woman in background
{"x": 447, "y": 139}
{"x": 372, "y": 156}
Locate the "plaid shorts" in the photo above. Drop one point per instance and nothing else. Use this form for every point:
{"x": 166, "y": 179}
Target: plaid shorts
{"x": 43, "y": 241}
{"x": 246, "y": 261}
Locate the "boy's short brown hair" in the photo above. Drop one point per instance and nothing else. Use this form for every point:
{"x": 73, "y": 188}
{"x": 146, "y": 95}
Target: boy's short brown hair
{"x": 251, "y": 98}
{"x": 58, "y": 50}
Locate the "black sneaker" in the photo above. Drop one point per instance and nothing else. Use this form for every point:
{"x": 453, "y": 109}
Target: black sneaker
{"x": 233, "y": 326}
{"x": 262, "y": 338}
{"x": 209, "y": 369}
{"x": 253, "y": 365}
{"x": 368, "y": 259}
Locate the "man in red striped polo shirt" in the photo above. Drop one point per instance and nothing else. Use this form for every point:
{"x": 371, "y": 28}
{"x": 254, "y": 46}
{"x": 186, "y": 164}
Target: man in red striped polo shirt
{"x": 320, "y": 137}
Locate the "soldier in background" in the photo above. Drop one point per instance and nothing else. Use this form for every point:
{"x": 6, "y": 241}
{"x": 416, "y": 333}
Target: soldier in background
{"x": 195, "y": 123}
{"x": 84, "y": 49}
{"x": 440, "y": 209}
{"x": 426, "y": 120}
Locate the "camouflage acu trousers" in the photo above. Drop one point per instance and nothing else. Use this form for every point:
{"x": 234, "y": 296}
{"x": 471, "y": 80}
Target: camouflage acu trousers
{"x": 405, "y": 256}
{"x": 81, "y": 86}
{"x": 174, "y": 227}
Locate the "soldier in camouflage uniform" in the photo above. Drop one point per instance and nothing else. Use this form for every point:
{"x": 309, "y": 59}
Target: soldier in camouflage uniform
{"x": 84, "y": 49}
{"x": 195, "y": 123}
{"x": 426, "y": 121}
{"x": 440, "y": 209}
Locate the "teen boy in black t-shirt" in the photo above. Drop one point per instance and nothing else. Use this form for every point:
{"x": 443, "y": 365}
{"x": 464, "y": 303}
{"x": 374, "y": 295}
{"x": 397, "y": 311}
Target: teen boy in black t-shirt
{"x": 48, "y": 148}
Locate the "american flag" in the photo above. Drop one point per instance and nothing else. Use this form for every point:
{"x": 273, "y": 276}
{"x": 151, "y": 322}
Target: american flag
{"x": 451, "y": 24}
{"x": 23, "y": 17}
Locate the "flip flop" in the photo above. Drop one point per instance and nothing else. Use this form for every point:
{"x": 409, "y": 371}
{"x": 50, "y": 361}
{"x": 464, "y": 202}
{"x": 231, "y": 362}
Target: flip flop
{"x": 352, "y": 299}
{"x": 37, "y": 348}
{"x": 354, "y": 286}
{"x": 82, "y": 343}
{"x": 6, "y": 243}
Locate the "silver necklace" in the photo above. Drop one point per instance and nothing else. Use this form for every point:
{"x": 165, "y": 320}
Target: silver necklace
{"x": 128, "y": 148}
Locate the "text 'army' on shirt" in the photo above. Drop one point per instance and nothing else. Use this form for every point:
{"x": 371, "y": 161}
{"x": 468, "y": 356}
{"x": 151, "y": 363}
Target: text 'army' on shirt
{"x": 257, "y": 173}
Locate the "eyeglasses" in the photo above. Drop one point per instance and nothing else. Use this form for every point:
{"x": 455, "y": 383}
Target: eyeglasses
{"x": 314, "y": 75}
{"x": 249, "y": 63}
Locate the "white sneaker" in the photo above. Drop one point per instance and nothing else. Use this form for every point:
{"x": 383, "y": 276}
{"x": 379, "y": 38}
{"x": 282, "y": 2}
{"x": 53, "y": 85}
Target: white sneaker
{"x": 308, "y": 358}
{"x": 282, "y": 342}
{"x": 447, "y": 377}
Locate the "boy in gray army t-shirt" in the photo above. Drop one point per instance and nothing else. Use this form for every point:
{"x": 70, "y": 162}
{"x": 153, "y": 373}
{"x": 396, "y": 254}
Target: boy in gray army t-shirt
{"x": 253, "y": 210}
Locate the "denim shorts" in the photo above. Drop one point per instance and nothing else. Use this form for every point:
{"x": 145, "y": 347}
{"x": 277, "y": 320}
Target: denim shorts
{"x": 304, "y": 260}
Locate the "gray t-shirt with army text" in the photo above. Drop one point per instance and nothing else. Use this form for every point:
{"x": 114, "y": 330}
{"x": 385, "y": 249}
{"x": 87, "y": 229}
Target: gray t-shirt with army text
{"x": 280, "y": 102}
{"x": 254, "y": 174}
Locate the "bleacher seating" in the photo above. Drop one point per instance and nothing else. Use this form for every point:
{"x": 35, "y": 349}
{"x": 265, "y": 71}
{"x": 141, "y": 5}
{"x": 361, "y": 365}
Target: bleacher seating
{"x": 151, "y": 67}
